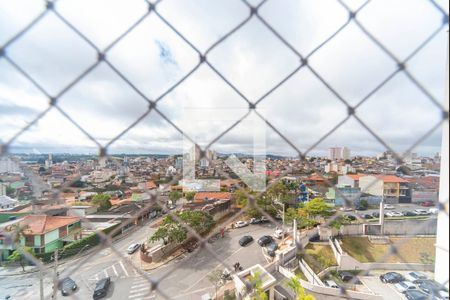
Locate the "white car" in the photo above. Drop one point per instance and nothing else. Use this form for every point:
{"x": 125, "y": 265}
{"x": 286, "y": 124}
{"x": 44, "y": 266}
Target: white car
{"x": 405, "y": 286}
{"x": 278, "y": 234}
{"x": 434, "y": 211}
{"x": 240, "y": 224}
{"x": 346, "y": 209}
{"x": 394, "y": 214}
{"x": 415, "y": 277}
{"x": 421, "y": 212}
{"x": 331, "y": 284}
{"x": 388, "y": 206}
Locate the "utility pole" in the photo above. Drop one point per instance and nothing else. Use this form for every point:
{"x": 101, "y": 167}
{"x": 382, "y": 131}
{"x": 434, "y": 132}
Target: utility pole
{"x": 41, "y": 284}
{"x": 55, "y": 275}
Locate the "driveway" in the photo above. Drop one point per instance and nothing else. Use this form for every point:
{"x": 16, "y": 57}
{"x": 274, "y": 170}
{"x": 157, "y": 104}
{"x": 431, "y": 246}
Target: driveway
{"x": 386, "y": 290}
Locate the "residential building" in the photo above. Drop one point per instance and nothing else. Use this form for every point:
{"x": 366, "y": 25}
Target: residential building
{"x": 3, "y": 187}
{"x": 344, "y": 195}
{"x": 392, "y": 188}
{"x": 7, "y": 202}
{"x": 44, "y": 234}
{"x": 335, "y": 153}
{"x": 211, "y": 196}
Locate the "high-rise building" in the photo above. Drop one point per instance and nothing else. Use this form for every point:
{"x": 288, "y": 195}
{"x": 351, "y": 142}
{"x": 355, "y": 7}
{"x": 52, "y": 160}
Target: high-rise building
{"x": 338, "y": 153}
{"x": 346, "y": 153}
{"x": 335, "y": 153}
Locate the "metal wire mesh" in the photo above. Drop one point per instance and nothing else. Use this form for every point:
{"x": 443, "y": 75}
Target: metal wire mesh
{"x": 51, "y": 8}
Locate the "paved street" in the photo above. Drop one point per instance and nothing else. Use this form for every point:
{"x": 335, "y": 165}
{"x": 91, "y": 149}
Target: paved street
{"x": 184, "y": 278}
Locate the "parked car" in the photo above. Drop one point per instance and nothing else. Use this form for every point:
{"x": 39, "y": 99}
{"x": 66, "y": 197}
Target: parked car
{"x": 416, "y": 295}
{"x": 264, "y": 219}
{"x": 434, "y": 211}
{"x": 271, "y": 248}
{"x": 265, "y": 240}
{"x": 101, "y": 288}
{"x": 279, "y": 234}
{"x": 391, "y": 277}
{"x": 415, "y": 277}
{"x": 67, "y": 286}
{"x": 367, "y": 216}
{"x": 346, "y": 209}
{"x": 351, "y": 217}
{"x": 240, "y": 224}
{"x": 389, "y": 206}
{"x": 404, "y": 286}
{"x": 254, "y": 221}
{"x": 376, "y": 215}
{"x": 245, "y": 240}
{"x": 361, "y": 208}
{"x": 433, "y": 288}
{"x": 332, "y": 284}
{"x": 428, "y": 286}
{"x": 409, "y": 214}
{"x": 132, "y": 248}
{"x": 394, "y": 214}
{"x": 427, "y": 204}
{"x": 349, "y": 277}
{"x": 421, "y": 212}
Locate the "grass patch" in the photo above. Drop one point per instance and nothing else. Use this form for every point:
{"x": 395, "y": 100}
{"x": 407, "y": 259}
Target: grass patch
{"x": 319, "y": 257}
{"x": 410, "y": 250}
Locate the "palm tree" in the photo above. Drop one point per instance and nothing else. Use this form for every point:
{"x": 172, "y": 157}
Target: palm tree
{"x": 299, "y": 290}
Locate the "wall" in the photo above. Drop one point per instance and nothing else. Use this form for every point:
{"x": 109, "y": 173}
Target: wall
{"x": 371, "y": 185}
{"x": 346, "y": 262}
{"x": 309, "y": 273}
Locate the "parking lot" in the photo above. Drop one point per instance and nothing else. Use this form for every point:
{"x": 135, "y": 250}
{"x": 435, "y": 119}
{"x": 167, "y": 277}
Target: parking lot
{"x": 387, "y": 291}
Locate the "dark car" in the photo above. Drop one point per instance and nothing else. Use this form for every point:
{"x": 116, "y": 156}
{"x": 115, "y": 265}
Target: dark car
{"x": 367, "y": 216}
{"x": 67, "y": 286}
{"x": 416, "y": 295}
{"x": 391, "y": 277}
{"x": 245, "y": 240}
{"x": 101, "y": 288}
{"x": 361, "y": 208}
{"x": 255, "y": 221}
{"x": 409, "y": 214}
{"x": 351, "y": 217}
{"x": 265, "y": 240}
{"x": 430, "y": 287}
{"x": 349, "y": 277}
{"x": 271, "y": 248}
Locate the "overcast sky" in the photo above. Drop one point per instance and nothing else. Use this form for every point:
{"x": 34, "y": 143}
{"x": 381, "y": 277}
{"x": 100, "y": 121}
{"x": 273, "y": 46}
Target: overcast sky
{"x": 153, "y": 58}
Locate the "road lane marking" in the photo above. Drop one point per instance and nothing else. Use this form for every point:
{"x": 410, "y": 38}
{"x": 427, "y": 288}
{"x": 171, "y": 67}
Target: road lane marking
{"x": 134, "y": 291}
{"x": 140, "y": 285}
{"x": 115, "y": 271}
{"x": 202, "y": 278}
{"x": 123, "y": 267}
{"x": 147, "y": 294}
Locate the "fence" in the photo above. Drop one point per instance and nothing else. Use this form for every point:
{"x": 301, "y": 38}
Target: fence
{"x": 152, "y": 104}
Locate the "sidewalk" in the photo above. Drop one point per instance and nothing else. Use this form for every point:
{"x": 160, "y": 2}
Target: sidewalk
{"x": 17, "y": 270}
{"x": 152, "y": 266}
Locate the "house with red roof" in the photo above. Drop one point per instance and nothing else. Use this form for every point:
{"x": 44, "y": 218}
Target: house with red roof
{"x": 392, "y": 188}
{"x": 202, "y": 197}
{"x": 44, "y": 234}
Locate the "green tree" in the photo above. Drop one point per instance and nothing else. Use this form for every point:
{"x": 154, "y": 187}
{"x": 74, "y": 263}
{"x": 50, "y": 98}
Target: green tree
{"x": 103, "y": 201}
{"x": 10, "y": 191}
{"x": 175, "y": 196}
{"x": 364, "y": 204}
{"x": 300, "y": 293}
{"x": 17, "y": 256}
{"x": 171, "y": 231}
{"x": 215, "y": 277}
{"x": 190, "y": 196}
{"x": 317, "y": 207}
{"x": 240, "y": 198}
{"x": 257, "y": 292}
